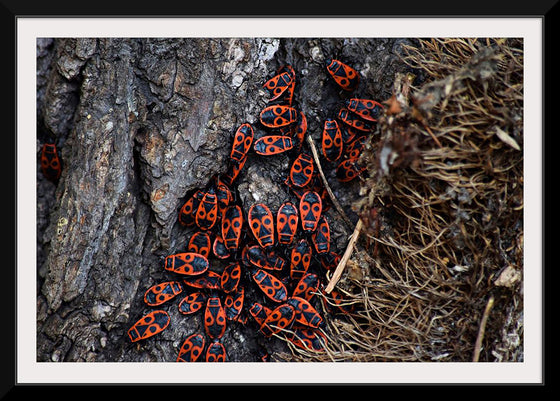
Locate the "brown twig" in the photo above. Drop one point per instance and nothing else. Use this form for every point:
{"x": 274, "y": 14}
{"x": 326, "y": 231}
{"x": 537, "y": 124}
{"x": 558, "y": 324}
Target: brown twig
{"x": 325, "y": 182}
{"x": 438, "y": 143}
{"x": 342, "y": 264}
{"x": 482, "y": 329}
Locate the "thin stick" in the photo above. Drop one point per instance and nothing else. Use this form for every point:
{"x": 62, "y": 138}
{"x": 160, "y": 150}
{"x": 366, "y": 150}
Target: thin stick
{"x": 342, "y": 264}
{"x": 432, "y": 135}
{"x": 325, "y": 183}
{"x": 482, "y": 329}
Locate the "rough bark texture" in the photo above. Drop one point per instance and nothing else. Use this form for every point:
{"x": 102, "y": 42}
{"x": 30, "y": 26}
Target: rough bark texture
{"x": 140, "y": 124}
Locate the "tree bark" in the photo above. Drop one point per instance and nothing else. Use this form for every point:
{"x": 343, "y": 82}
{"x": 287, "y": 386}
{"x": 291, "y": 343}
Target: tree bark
{"x": 140, "y": 124}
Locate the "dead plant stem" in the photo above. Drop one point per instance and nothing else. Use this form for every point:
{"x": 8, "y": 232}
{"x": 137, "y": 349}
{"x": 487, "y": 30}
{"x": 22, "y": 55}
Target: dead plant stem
{"x": 342, "y": 264}
{"x": 482, "y": 329}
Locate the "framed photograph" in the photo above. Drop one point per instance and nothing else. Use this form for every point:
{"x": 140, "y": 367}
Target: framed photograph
{"x": 310, "y": 199}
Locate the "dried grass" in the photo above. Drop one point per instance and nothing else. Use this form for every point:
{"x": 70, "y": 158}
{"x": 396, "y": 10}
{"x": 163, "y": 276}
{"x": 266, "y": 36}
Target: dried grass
{"x": 442, "y": 212}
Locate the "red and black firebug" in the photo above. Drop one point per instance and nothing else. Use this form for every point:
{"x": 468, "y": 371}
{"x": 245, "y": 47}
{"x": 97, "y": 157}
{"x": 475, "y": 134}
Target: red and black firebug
{"x": 187, "y": 263}
{"x": 149, "y": 325}
{"x": 51, "y": 165}
{"x": 230, "y": 277}
{"x": 232, "y": 224}
{"x": 192, "y": 348}
{"x": 214, "y": 318}
{"x": 348, "y": 169}
{"x": 331, "y": 140}
{"x": 287, "y": 219}
{"x": 280, "y": 318}
{"x": 300, "y": 259}
{"x": 189, "y": 208}
{"x": 366, "y": 108}
{"x": 242, "y": 142}
{"x": 301, "y": 171}
{"x": 162, "y": 292}
{"x": 310, "y": 208}
{"x": 192, "y": 303}
{"x": 261, "y": 222}
{"x": 279, "y": 84}
{"x": 344, "y": 75}
{"x": 273, "y": 145}
{"x": 276, "y": 116}
{"x": 200, "y": 243}
{"x": 216, "y": 352}
{"x": 270, "y": 285}
{"x": 321, "y": 237}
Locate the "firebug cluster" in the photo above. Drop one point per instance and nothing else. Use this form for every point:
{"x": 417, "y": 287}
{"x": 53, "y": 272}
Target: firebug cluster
{"x": 283, "y": 253}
